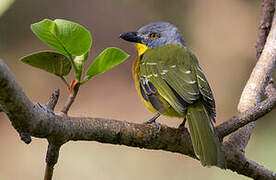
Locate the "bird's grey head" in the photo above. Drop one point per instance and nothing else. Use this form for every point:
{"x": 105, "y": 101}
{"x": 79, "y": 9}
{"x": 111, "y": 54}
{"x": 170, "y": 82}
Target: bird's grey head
{"x": 155, "y": 35}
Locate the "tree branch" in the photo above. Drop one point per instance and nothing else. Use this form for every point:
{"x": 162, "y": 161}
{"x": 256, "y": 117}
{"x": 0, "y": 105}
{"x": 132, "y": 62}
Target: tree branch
{"x": 255, "y": 86}
{"x": 237, "y": 162}
{"x": 265, "y": 25}
{"x": 42, "y": 123}
{"x": 250, "y": 115}
{"x": 51, "y": 159}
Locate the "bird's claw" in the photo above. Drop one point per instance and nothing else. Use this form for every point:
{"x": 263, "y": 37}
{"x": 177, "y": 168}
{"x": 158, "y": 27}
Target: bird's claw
{"x": 153, "y": 123}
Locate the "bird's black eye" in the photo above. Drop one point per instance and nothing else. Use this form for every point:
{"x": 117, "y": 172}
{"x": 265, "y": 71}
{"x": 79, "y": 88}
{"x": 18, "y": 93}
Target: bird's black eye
{"x": 153, "y": 35}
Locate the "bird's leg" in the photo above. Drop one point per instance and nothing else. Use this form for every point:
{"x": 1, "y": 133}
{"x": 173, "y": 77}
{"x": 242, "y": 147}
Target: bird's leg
{"x": 182, "y": 125}
{"x": 153, "y": 121}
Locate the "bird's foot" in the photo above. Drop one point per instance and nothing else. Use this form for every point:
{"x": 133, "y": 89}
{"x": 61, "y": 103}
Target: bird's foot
{"x": 156, "y": 124}
{"x": 153, "y": 122}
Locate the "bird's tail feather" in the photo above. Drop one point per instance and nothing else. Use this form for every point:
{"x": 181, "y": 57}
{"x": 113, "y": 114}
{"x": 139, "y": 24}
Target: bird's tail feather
{"x": 205, "y": 142}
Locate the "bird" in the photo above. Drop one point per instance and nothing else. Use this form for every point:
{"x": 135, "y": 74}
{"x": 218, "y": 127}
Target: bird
{"x": 170, "y": 82}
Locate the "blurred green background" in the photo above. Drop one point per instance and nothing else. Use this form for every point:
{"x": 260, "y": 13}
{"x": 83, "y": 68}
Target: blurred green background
{"x": 221, "y": 33}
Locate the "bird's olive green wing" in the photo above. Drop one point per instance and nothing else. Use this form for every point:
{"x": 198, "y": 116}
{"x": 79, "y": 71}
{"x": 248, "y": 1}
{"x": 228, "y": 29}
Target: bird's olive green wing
{"x": 149, "y": 93}
{"x": 170, "y": 69}
{"x": 174, "y": 71}
{"x": 206, "y": 92}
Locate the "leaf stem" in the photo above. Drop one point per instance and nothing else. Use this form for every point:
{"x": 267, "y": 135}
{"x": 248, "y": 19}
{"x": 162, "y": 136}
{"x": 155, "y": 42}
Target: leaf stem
{"x": 74, "y": 88}
{"x": 65, "y": 82}
{"x": 74, "y": 65}
{"x": 85, "y": 79}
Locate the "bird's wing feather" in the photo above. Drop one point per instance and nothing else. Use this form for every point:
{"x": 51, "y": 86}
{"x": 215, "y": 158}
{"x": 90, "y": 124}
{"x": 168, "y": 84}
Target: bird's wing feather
{"x": 171, "y": 70}
{"x": 206, "y": 92}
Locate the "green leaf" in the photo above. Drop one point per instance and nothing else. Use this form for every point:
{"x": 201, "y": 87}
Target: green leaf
{"x": 68, "y": 38}
{"x": 109, "y": 58}
{"x": 52, "y": 62}
{"x": 79, "y": 61}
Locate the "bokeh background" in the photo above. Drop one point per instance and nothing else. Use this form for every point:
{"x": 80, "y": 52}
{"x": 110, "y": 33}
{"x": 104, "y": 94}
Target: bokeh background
{"x": 221, "y": 33}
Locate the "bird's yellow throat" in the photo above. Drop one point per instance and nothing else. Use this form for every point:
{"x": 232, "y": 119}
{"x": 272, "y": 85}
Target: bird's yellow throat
{"x": 141, "y": 48}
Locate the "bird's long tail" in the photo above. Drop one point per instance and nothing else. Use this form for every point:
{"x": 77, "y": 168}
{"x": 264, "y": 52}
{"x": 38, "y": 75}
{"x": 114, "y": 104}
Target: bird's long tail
{"x": 205, "y": 142}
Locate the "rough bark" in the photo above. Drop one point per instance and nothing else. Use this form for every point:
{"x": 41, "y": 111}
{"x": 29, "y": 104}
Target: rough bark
{"x": 39, "y": 121}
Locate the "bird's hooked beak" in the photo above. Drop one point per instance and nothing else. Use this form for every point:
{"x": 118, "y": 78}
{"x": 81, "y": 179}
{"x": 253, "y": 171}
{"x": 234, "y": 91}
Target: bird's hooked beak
{"x": 131, "y": 37}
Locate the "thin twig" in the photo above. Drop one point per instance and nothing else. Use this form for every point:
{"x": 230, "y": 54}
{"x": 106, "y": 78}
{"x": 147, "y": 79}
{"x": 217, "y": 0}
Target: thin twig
{"x": 71, "y": 98}
{"x": 51, "y": 104}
